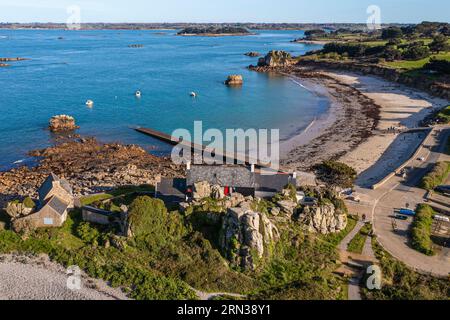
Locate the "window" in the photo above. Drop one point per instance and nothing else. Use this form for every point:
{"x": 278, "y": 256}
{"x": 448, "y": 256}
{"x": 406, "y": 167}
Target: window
{"x": 48, "y": 221}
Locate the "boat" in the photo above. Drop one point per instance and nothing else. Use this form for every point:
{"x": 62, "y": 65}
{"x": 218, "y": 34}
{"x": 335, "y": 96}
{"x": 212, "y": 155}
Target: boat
{"x": 138, "y": 94}
{"x": 89, "y": 103}
{"x": 193, "y": 94}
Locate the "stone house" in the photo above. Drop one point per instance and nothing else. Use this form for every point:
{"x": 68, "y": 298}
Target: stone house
{"x": 55, "y": 199}
{"x": 54, "y": 186}
{"x": 242, "y": 179}
{"x": 105, "y": 217}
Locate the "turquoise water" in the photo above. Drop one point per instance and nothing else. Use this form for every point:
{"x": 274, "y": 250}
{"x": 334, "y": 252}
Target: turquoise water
{"x": 63, "y": 73}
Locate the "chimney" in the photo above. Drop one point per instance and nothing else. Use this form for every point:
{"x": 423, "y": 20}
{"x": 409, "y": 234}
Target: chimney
{"x": 252, "y": 168}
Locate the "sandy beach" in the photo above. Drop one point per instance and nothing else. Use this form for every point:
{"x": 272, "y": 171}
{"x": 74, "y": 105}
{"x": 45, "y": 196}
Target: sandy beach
{"x": 352, "y": 132}
{"x": 37, "y": 278}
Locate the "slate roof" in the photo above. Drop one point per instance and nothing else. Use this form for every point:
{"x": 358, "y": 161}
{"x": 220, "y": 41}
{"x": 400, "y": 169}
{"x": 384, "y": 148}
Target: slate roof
{"x": 238, "y": 177}
{"x": 101, "y": 212}
{"x": 175, "y": 186}
{"x": 273, "y": 182}
{"x": 225, "y": 175}
{"x": 47, "y": 186}
{"x": 57, "y": 205}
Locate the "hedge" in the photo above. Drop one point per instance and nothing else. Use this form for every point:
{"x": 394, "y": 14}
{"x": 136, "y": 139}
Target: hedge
{"x": 421, "y": 230}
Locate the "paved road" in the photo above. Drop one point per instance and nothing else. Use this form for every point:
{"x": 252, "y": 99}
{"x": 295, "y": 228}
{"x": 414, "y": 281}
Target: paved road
{"x": 397, "y": 193}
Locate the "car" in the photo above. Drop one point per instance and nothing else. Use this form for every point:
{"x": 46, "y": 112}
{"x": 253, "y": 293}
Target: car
{"x": 441, "y": 218}
{"x": 400, "y": 217}
{"x": 407, "y": 212}
{"x": 421, "y": 158}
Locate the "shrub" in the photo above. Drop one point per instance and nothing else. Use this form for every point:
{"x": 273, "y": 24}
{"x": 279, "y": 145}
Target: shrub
{"x": 87, "y": 233}
{"x": 314, "y": 33}
{"x": 416, "y": 51}
{"x": 442, "y": 66}
{"x": 29, "y": 203}
{"x": 436, "y": 176}
{"x": 391, "y": 33}
{"x": 391, "y": 53}
{"x": 439, "y": 43}
{"x": 421, "y": 230}
{"x": 353, "y": 50}
{"x": 336, "y": 174}
{"x": 151, "y": 224}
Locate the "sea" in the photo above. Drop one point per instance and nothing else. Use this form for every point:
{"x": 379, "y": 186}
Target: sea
{"x": 67, "y": 68}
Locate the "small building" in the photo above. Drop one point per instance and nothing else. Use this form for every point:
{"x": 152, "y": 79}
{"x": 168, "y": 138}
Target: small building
{"x": 105, "y": 217}
{"x": 171, "y": 190}
{"x": 242, "y": 179}
{"x": 245, "y": 180}
{"x": 54, "y": 186}
{"x": 55, "y": 199}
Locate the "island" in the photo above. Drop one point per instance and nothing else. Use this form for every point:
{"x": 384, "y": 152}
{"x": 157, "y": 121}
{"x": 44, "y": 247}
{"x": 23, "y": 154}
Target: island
{"x": 213, "y": 31}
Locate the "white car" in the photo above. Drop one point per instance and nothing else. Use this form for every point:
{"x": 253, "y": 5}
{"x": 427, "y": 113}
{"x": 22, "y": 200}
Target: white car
{"x": 441, "y": 218}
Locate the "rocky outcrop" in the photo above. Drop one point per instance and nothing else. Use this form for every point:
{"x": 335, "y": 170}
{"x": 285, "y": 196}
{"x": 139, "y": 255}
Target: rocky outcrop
{"x": 322, "y": 219}
{"x": 62, "y": 123}
{"x": 252, "y": 54}
{"x": 217, "y": 192}
{"x": 16, "y": 210}
{"x": 202, "y": 190}
{"x": 287, "y": 206}
{"x": 246, "y": 236}
{"x": 89, "y": 166}
{"x": 234, "y": 80}
{"x": 276, "y": 58}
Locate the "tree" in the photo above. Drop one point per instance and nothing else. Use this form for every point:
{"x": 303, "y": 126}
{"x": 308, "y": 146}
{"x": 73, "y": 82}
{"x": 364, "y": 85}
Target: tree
{"x": 442, "y": 66}
{"x": 391, "y": 33}
{"x": 439, "y": 43}
{"x": 391, "y": 53}
{"x": 416, "y": 51}
{"x": 336, "y": 174}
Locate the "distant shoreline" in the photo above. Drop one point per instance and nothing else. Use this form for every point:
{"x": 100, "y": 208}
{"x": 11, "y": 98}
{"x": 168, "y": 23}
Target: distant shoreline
{"x": 216, "y": 34}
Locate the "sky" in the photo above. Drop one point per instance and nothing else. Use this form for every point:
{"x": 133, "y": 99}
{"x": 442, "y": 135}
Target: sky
{"x": 300, "y": 11}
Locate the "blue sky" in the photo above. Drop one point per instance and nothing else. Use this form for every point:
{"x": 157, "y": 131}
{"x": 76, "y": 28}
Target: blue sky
{"x": 405, "y": 11}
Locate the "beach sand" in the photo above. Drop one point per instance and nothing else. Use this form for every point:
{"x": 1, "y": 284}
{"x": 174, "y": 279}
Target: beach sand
{"x": 37, "y": 278}
{"x": 345, "y": 134}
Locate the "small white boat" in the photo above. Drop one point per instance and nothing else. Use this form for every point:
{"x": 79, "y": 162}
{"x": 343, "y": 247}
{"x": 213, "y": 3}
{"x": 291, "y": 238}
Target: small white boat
{"x": 89, "y": 103}
{"x": 193, "y": 94}
{"x": 138, "y": 94}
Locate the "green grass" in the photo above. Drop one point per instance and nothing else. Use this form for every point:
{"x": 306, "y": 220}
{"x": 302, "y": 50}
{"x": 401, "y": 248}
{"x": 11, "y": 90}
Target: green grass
{"x": 421, "y": 230}
{"x": 336, "y": 238}
{"x": 444, "y": 115}
{"x": 118, "y": 192}
{"x": 172, "y": 252}
{"x": 356, "y": 245}
{"x": 437, "y": 176}
{"x": 401, "y": 283}
{"x": 412, "y": 65}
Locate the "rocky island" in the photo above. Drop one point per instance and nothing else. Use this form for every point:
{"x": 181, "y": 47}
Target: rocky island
{"x": 62, "y": 123}
{"x": 212, "y": 31}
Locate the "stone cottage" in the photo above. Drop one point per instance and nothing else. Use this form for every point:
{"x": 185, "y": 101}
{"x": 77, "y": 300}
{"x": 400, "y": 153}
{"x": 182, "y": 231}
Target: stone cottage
{"x": 243, "y": 179}
{"x": 55, "y": 199}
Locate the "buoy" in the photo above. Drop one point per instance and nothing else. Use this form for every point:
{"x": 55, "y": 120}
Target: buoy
{"x": 89, "y": 103}
{"x": 193, "y": 94}
{"x": 138, "y": 94}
